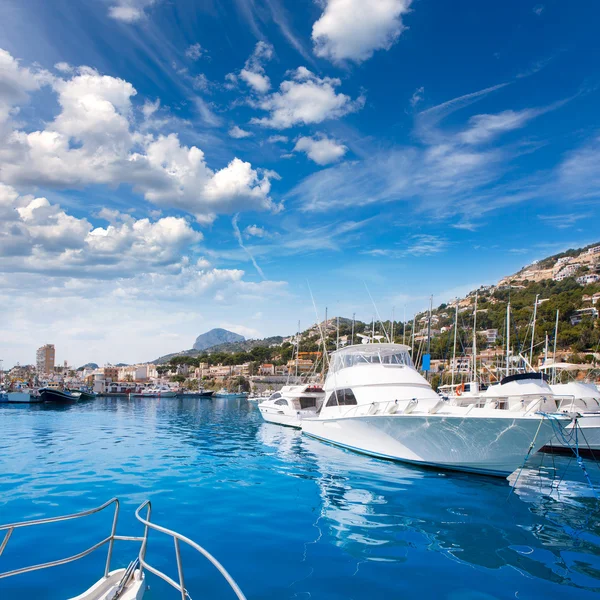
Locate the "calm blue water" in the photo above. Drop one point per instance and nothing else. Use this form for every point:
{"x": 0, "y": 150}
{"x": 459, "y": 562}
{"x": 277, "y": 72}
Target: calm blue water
{"x": 288, "y": 516}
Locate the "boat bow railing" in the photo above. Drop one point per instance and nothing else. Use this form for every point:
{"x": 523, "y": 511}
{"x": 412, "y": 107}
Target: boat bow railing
{"x": 177, "y": 538}
{"x": 110, "y": 540}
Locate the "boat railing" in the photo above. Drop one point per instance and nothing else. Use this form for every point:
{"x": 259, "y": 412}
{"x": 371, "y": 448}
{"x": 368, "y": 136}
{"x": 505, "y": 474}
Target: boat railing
{"x": 177, "y": 538}
{"x": 381, "y": 407}
{"x": 9, "y": 529}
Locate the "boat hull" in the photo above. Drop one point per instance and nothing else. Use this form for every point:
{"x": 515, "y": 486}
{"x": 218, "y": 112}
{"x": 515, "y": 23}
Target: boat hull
{"x": 59, "y": 397}
{"x": 279, "y": 418}
{"x": 588, "y": 435}
{"x": 22, "y": 398}
{"x": 105, "y": 588}
{"x": 487, "y": 445}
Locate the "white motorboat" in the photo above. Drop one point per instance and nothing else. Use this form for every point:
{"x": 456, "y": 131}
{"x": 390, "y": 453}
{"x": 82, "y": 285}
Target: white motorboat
{"x": 292, "y": 404}
{"x": 157, "y": 391}
{"x": 378, "y": 404}
{"x": 224, "y": 393}
{"x": 125, "y": 583}
{"x": 582, "y": 398}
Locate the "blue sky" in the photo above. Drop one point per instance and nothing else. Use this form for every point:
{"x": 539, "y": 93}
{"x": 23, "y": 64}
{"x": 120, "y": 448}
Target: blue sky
{"x": 168, "y": 166}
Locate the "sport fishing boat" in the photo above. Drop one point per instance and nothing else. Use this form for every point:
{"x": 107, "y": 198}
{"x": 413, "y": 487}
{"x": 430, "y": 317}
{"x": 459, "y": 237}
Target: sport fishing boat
{"x": 378, "y": 404}
{"x": 292, "y": 404}
{"x": 127, "y": 583}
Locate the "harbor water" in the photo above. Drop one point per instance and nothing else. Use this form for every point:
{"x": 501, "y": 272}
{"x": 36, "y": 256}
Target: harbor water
{"x": 288, "y": 516}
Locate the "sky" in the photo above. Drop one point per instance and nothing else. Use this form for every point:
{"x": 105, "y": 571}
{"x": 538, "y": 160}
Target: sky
{"x": 170, "y": 166}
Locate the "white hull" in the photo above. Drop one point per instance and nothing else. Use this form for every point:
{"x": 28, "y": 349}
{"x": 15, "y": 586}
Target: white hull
{"x": 588, "y": 436}
{"x": 156, "y": 395}
{"x": 488, "y": 445}
{"x": 104, "y": 589}
{"x": 20, "y": 397}
{"x": 271, "y": 416}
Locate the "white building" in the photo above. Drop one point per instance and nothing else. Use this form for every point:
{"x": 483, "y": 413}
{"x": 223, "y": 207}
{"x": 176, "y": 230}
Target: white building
{"x": 491, "y": 335}
{"x": 589, "y": 278}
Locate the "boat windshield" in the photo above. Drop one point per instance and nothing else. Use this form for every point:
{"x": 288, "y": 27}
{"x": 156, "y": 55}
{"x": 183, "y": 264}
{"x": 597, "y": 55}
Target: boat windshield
{"x": 369, "y": 355}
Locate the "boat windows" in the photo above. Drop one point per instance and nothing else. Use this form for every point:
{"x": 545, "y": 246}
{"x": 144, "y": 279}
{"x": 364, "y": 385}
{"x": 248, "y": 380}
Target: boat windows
{"x": 394, "y": 358}
{"x": 344, "y": 397}
{"x": 281, "y": 402}
{"x": 307, "y": 402}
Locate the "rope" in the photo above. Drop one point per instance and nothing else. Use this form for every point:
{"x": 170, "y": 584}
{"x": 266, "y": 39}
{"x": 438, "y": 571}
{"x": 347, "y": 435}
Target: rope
{"x": 531, "y": 446}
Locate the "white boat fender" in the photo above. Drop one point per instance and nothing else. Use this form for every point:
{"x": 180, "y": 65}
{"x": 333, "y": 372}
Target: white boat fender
{"x": 393, "y": 408}
{"x": 412, "y": 404}
{"x": 373, "y": 409}
{"x": 436, "y": 407}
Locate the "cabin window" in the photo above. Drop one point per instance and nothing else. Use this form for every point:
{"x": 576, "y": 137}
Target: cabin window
{"x": 307, "y": 402}
{"x": 342, "y": 398}
{"x": 281, "y": 402}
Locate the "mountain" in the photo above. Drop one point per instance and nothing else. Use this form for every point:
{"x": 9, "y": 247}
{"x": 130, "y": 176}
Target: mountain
{"x": 216, "y": 337}
{"x": 90, "y": 365}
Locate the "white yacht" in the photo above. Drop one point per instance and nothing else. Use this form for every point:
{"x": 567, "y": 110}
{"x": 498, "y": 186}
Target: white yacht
{"x": 582, "y": 398}
{"x": 377, "y": 403}
{"x": 157, "y": 391}
{"x": 292, "y": 404}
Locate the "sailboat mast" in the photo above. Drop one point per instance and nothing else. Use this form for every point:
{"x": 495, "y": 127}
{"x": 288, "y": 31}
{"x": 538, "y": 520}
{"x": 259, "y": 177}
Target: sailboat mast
{"x": 454, "y": 347}
{"x": 554, "y": 353}
{"x": 337, "y": 337}
{"x": 353, "y": 319}
{"x": 533, "y": 329}
{"x": 412, "y": 350}
{"x": 475, "y": 340}
{"x": 507, "y": 338}
{"x": 404, "y": 326}
{"x": 297, "y": 347}
{"x": 392, "y": 325}
{"x": 429, "y": 325}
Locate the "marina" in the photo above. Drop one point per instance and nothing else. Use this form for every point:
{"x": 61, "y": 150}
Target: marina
{"x": 355, "y": 526}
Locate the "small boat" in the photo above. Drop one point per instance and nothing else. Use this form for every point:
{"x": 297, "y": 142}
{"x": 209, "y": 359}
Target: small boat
{"x": 157, "y": 391}
{"x": 51, "y": 394}
{"x": 224, "y": 393}
{"x": 378, "y": 404}
{"x": 128, "y": 583}
{"x": 84, "y": 394}
{"x": 292, "y": 404}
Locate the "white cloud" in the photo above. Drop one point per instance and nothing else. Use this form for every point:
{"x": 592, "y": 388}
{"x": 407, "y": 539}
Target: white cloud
{"x": 348, "y": 29}
{"x": 321, "y": 149}
{"x": 253, "y": 72}
{"x": 129, "y": 11}
{"x": 304, "y": 100}
{"x": 538, "y": 9}
{"x": 483, "y": 128}
{"x": 194, "y": 52}
{"x": 93, "y": 140}
{"x": 274, "y": 139}
{"x": 255, "y": 231}
{"x": 201, "y": 82}
{"x": 63, "y": 67}
{"x": 417, "y": 96}
{"x": 238, "y": 133}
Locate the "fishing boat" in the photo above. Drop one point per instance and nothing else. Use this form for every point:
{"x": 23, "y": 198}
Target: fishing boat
{"x": 292, "y": 404}
{"x": 56, "y": 395}
{"x": 377, "y": 403}
{"x": 85, "y": 393}
{"x": 125, "y": 583}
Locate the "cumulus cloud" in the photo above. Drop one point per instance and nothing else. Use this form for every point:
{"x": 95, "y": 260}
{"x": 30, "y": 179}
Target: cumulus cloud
{"x": 304, "y": 100}
{"x": 255, "y": 231}
{"x": 129, "y": 11}
{"x": 321, "y": 149}
{"x": 274, "y": 139}
{"x": 253, "y": 73}
{"x": 93, "y": 140}
{"x": 194, "y": 52}
{"x": 38, "y": 236}
{"x": 353, "y": 30}
{"x": 238, "y": 133}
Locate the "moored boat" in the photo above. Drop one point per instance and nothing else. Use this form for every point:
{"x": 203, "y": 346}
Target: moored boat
{"x": 59, "y": 396}
{"x": 224, "y": 393}
{"x": 378, "y": 404}
{"x": 292, "y": 404}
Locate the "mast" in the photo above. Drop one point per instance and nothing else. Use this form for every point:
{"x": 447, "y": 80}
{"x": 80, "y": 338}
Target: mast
{"x": 373, "y": 333}
{"x": 429, "y": 324}
{"x": 353, "y": 318}
{"x": 404, "y": 325}
{"x": 475, "y": 340}
{"x": 297, "y": 347}
{"x": 337, "y": 338}
{"x": 546, "y": 350}
{"x": 392, "y": 325}
{"x": 507, "y": 338}
{"x": 412, "y": 350}
{"x": 554, "y": 353}
{"x": 454, "y": 347}
{"x": 533, "y": 330}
